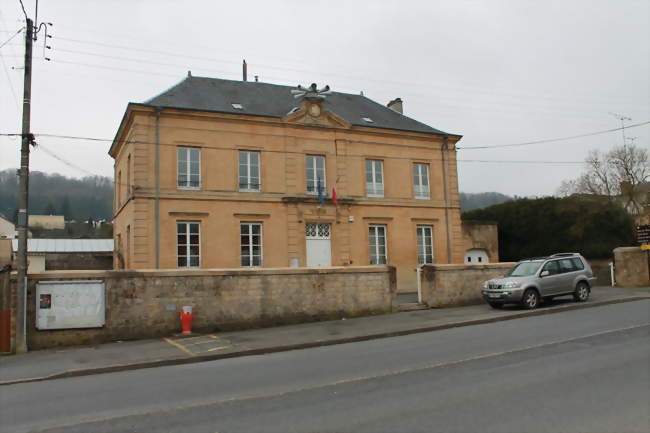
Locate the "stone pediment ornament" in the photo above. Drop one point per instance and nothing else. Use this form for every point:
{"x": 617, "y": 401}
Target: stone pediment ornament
{"x": 311, "y": 110}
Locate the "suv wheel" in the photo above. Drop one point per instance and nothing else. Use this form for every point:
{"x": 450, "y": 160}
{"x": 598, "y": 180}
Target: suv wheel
{"x": 581, "y": 293}
{"x": 530, "y": 299}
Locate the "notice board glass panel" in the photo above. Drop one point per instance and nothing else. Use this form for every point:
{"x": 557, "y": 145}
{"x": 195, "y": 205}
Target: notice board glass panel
{"x": 70, "y": 304}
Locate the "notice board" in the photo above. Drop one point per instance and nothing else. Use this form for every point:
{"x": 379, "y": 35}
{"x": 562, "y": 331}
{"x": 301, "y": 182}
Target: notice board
{"x": 70, "y": 304}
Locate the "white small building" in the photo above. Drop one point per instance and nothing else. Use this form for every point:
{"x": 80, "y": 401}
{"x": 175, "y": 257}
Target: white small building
{"x": 49, "y": 222}
{"x": 67, "y": 254}
{"x": 7, "y": 228}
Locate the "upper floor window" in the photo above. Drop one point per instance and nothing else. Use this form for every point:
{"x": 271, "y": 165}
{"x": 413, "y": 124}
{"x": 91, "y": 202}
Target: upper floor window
{"x": 249, "y": 170}
{"x": 188, "y": 244}
{"x": 374, "y": 178}
{"x": 421, "y": 180}
{"x": 315, "y": 173}
{"x": 189, "y": 167}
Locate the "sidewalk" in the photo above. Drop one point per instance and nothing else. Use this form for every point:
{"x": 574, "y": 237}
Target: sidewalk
{"x": 120, "y": 356}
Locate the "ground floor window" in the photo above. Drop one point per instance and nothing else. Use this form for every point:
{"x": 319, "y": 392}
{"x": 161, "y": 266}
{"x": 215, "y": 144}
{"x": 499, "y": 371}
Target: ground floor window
{"x": 188, "y": 241}
{"x": 377, "y": 236}
{"x": 251, "y": 244}
{"x": 425, "y": 244}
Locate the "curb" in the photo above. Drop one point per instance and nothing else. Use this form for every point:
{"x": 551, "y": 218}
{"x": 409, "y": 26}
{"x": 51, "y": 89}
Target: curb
{"x": 312, "y": 344}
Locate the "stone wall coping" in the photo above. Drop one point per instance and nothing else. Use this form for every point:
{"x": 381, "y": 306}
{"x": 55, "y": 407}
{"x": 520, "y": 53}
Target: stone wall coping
{"x": 456, "y": 267}
{"x": 71, "y": 274}
{"x": 622, "y": 249}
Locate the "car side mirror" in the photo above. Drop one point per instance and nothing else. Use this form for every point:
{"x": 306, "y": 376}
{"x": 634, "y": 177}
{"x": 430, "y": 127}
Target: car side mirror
{"x": 544, "y": 273}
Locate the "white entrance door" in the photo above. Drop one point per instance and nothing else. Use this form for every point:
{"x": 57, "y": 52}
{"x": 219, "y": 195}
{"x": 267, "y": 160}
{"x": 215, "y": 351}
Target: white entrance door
{"x": 319, "y": 249}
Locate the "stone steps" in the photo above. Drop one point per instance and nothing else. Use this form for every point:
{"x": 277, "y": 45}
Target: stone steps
{"x": 412, "y": 306}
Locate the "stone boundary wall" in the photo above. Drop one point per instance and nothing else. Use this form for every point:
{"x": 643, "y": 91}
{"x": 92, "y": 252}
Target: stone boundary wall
{"x": 455, "y": 285}
{"x": 146, "y": 304}
{"x": 78, "y": 261}
{"x": 631, "y": 267}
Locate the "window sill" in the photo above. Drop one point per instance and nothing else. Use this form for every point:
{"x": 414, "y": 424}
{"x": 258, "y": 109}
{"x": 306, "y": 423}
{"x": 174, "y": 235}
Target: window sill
{"x": 188, "y": 188}
{"x": 249, "y": 190}
{"x": 422, "y": 198}
{"x": 375, "y": 195}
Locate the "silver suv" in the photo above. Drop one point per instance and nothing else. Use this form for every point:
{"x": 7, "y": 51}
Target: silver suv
{"x": 541, "y": 278}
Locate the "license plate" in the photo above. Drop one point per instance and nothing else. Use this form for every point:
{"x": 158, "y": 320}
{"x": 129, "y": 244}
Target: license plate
{"x": 494, "y": 295}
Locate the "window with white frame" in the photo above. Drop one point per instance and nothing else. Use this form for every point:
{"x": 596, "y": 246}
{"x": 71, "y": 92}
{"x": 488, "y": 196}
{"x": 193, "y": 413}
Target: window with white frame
{"x": 315, "y": 173}
{"x": 425, "y": 244}
{"x": 189, "y": 167}
{"x": 188, "y": 244}
{"x": 378, "y": 249}
{"x": 374, "y": 178}
{"x": 421, "y": 180}
{"x": 249, "y": 170}
{"x": 251, "y": 244}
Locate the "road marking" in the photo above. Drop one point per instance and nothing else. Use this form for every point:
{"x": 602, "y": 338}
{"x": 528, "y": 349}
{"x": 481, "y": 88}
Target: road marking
{"x": 183, "y": 348}
{"x": 217, "y": 348}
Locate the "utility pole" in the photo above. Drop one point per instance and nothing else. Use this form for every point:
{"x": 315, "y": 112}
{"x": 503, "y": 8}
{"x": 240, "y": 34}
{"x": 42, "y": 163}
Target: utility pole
{"x": 23, "y": 199}
{"x": 622, "y": 118}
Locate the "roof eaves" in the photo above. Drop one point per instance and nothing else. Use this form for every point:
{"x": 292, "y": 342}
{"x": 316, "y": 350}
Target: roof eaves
{"x": 148, "y": 101}
{"x": 120, "y": 128}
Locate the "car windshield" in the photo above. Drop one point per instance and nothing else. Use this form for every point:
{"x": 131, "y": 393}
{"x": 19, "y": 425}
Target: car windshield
{"x": 524, "y": 269}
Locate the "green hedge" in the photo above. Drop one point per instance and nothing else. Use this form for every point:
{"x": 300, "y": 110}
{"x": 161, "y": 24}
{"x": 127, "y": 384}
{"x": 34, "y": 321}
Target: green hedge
{"x": 538, "y": 227}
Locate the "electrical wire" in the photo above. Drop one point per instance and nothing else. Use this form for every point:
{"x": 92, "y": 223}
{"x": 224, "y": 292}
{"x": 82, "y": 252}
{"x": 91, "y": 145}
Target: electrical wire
{"x": 13, "y": 36}
{"x": 11, "y": 84}
{"x": 553, "y": 140}
{"x": 364, "y": 79}
{"x": 351, "y": 156}
{"x": 23, "y": 6}
{"x": 63, "y": 160}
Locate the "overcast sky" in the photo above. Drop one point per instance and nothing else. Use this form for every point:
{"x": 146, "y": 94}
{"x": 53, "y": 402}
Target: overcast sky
{"x": 497, "y": 72}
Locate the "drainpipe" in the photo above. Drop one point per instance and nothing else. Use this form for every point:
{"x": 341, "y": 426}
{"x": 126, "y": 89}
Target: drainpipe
{"x": 443, "y": 151}
{"x": 157, "y": 200}
{"x": 611, "y": 273}
{"x": 418, "y": 272}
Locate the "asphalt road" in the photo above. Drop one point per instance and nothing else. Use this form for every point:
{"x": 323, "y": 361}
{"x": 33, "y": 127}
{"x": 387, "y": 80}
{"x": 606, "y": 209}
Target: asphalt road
{"x": 577, "y": 371}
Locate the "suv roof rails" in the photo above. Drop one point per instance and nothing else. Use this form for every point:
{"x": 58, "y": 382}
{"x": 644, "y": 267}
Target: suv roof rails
{"x": 565, "y": 254}
{"x": 534, "y": 258}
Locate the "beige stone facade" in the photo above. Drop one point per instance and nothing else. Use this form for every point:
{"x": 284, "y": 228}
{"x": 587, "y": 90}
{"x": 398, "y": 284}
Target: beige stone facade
{"x": 480, "y": 242}
{"x": 151, "y": 199}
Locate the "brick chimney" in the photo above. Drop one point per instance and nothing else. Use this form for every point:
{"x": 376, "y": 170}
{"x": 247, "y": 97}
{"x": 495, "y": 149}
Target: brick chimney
{"x": 396, "y": 105}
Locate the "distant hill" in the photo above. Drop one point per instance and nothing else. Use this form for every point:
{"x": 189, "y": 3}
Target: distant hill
{"x": 49, "y": 194}
{"x": 92, "y": 196}
{"x": 479, "y": 200}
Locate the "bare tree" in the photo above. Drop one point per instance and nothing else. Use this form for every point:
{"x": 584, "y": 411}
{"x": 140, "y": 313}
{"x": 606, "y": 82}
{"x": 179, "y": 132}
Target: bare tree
{"x": 618, "y": 172}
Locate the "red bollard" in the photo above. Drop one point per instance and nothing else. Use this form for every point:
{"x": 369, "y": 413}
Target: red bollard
{"x": 186, "y": 320}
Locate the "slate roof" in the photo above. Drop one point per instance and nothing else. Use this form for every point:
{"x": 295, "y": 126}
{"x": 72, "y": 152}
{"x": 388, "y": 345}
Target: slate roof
{"x": 273, "y": 100}
{"x": 66, "y": 245}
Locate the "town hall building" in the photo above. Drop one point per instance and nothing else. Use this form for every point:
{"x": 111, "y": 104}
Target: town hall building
{"x": 217, "y": 173}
